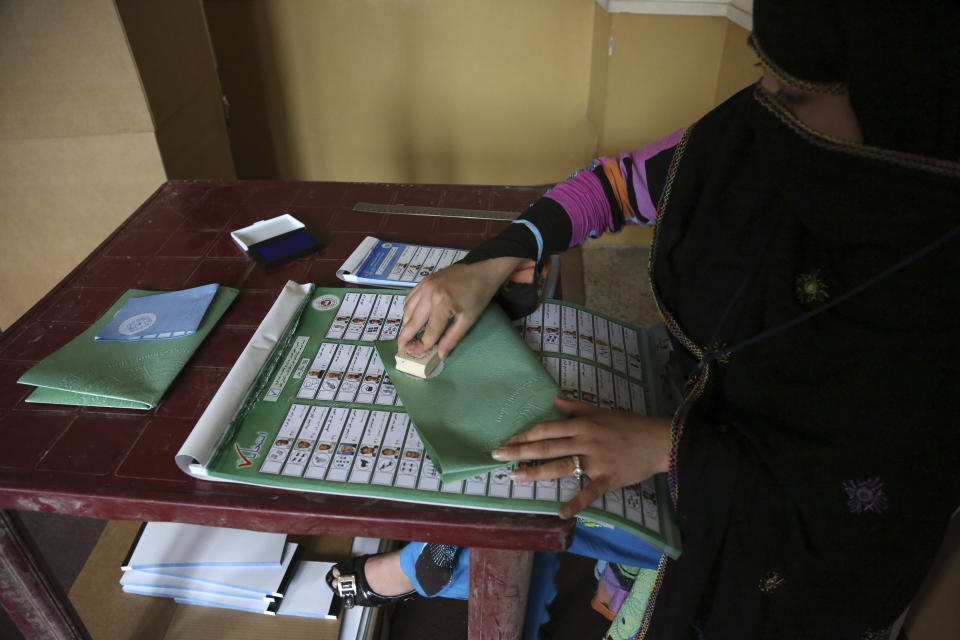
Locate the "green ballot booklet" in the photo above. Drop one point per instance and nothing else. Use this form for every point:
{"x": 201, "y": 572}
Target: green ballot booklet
{"x": 126, "y": 374}
{"x": 310, "y": 405}
{"x": 490, "y": 388}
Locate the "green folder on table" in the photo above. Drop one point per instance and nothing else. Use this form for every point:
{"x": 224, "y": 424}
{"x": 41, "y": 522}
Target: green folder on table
{"x": 130, "y": 375}
{"x": 492, "y": 386}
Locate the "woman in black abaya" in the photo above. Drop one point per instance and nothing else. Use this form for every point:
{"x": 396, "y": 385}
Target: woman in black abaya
{"x": 806, "y": 261}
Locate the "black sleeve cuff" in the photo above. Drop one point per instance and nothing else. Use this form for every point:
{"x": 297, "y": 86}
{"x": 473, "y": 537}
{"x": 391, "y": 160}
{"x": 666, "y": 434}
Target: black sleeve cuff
{"x": 518, "y": 241}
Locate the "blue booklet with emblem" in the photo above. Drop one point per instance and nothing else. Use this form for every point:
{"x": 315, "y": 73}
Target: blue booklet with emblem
{"x": 161, "y": 316}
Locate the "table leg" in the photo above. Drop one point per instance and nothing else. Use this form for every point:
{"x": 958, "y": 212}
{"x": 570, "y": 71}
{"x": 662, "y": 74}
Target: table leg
{"x": 499, "y": 580}
{"x": 30, "y": 595}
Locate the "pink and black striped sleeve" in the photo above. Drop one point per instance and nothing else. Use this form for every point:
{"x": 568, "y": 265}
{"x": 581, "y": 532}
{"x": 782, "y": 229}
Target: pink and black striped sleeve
{"x": 612, "y": 193}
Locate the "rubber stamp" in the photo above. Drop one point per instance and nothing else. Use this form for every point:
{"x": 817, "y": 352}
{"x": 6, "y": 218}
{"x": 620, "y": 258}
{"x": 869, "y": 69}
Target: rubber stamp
{"x": 419, "y": 365}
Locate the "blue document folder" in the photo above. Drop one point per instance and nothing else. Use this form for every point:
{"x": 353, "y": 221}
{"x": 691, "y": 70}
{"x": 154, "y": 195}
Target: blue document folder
{"x": 162, "y": 316}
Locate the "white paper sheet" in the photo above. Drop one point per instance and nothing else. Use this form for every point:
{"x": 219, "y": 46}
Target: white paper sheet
{"x": 202, "y": 442}
{"x": 308, "y": 594}
{"x": 262, "y": 582}
{"x": 176, "y": 544}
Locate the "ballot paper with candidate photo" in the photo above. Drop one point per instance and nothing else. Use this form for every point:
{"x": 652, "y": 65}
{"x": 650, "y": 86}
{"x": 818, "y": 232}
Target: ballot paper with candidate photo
{"x": 160, "y": 316}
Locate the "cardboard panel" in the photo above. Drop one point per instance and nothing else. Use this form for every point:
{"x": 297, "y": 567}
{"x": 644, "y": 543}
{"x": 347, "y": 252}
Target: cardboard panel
{"x": 324, "y": 548}
{"x": 205, "y": 623}
{"x": 107, "y": 612}
{"x": 193, "y": 141}
{"x": 172, "y": 52}
{"x": 65, "y": 70}
{"x": 59, "y": 198}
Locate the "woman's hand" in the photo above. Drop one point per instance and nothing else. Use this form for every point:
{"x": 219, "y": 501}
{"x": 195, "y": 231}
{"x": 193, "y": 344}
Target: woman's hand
{"x": 461, "y": 291}
{"x": 616, "y": 449}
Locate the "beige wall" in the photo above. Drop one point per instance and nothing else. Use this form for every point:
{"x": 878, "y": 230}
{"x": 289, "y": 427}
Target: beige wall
{"x": 664, "y": 72}
{"x": 477, "y": 91}
{"x": 662, "y": 76}
{"x": 600, "y": 53}
{"x": 426, "y": 91}
{"x": 738, "y": 67}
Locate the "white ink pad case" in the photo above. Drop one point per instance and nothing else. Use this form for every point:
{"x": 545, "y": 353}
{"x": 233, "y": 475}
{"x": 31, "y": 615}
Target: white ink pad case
{"x": 275, "y": 241}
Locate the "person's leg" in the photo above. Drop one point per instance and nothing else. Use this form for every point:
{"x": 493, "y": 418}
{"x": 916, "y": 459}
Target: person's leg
{"x": 614, "y": 545}
{"x": 434, "y": 567}
{"x": 458, "y": 585}
{"x": 395, "y": 573}
{"x": 383, "y": 575}
{"x": 611, "y": 545}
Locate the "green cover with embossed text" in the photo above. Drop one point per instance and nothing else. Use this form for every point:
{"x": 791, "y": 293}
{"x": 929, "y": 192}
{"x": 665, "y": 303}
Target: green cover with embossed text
{"x": 128, "y": 375}
{"x": 491, "y": 387}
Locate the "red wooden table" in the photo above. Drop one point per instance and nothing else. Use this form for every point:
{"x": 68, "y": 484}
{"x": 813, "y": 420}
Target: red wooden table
{"x": 119, "y": 464}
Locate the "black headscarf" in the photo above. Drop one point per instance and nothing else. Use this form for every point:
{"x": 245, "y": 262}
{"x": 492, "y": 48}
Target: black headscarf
{"x": 814, "y": 471}
{"x": 899, "y": 61}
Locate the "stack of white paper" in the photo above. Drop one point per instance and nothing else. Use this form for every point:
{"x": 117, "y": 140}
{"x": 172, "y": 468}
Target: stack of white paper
{"x": 175, "y": 544}
{"x": 308, "y": 594}
{"x": 227, "y": 568}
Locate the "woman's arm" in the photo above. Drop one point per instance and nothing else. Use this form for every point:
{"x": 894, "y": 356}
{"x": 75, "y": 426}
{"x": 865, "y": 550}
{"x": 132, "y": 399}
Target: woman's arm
{"x": 616, "y": 191}
{"x": 612, "y": 193}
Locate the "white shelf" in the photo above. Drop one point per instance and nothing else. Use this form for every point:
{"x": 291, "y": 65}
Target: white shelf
{"x": 737, "y": 11}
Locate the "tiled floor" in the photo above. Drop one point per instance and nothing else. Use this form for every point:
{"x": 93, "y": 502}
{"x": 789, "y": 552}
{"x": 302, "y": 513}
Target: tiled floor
{"x": 616, "y": 283}
{"x": 65, "y": 541}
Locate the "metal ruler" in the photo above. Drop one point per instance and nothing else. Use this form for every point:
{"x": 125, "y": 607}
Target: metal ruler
{"x": 409, "y": 210}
